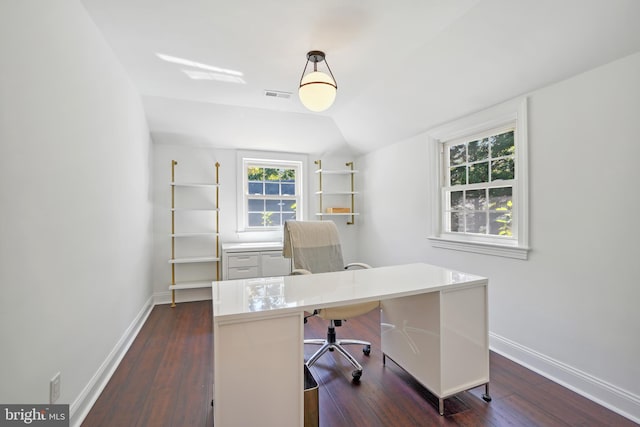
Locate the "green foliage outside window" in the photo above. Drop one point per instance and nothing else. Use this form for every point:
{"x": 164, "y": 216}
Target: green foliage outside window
{"x": 270, "y": 174}
{"x": 488, "y": 209}
{"x": 271, "y": 196}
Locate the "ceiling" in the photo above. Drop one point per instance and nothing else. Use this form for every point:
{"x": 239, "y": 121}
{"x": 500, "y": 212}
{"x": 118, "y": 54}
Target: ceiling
{"x": 401, "y": 66}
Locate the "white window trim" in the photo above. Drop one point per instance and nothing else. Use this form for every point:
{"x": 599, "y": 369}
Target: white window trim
{"x": 297, "y": 160}
{"x": 494, "y": 117}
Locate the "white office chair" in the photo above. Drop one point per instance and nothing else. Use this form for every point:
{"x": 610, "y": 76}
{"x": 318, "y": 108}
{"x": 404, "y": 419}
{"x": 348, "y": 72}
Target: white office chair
{"x": 314, "y": 247}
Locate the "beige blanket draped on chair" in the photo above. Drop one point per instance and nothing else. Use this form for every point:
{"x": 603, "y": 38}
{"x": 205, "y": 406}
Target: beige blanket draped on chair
{"x": 315, "y": 247}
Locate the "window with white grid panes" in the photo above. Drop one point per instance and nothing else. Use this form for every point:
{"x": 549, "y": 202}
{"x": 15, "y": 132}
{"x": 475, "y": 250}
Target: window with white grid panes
{"x": 271, "y": 193}
{"x": 479, "y": 184}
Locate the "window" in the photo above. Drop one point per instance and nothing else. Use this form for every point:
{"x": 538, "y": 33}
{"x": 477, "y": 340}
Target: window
{"x": 480, "y": 190}
{"x": 271, "y": 193}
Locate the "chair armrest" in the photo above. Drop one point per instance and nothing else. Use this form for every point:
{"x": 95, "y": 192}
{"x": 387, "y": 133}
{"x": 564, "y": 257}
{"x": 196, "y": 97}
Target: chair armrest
{"x": 357, "y": 264}
{"x": 299, "y": 271}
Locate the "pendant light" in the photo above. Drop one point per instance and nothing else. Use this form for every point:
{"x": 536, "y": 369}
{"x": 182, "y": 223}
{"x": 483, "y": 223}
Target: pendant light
{"x": 317, "y": 89}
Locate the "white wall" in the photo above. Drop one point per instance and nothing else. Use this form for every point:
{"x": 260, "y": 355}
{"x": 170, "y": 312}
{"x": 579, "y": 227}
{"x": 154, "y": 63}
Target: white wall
{"x": 196, "y": 160}
{"x": 571, "y": 310}
{"x": 76, "y": 212}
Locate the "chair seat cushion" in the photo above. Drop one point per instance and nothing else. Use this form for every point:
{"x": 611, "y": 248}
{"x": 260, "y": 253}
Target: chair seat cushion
{"x": 348, "y": 311}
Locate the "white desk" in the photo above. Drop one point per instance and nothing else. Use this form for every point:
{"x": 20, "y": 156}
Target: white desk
{"x": 434, "y": 325}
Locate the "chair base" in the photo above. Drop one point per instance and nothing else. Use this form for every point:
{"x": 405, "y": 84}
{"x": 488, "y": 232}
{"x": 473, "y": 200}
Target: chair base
{"x": 331, "y": 344}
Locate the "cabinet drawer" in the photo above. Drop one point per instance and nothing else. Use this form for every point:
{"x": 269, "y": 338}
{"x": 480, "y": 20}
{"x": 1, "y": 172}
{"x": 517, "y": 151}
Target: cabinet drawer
{"x": 243, "y": 272}
{"x": 244, "y": 260}
{"x": 274, "y": 264}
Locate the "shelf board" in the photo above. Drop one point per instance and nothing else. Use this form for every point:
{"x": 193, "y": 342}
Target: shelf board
{"x": 191, "y": 260}
{"x": 336, "y": 193}
{"x": 194, "y": 184}
{"x": 203, "y": 234}
{"x": 191, "y": 285}
{"x": 336, "y": 172}
{"x": 195, "y": 209}
{"x": 338, "y": 214}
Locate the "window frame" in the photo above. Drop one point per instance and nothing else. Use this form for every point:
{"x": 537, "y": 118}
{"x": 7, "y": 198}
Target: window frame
{"x": 447, "y": 188}
{"x": 512, "y": 113}
{"x": 267, "y": 160}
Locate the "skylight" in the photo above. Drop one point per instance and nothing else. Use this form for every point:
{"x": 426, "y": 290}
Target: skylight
{"x": 207, "y": 75}
{"x": 212, "y": 72}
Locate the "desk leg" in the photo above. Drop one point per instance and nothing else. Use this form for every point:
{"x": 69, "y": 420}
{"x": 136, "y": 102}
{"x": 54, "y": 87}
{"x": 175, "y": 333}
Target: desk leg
{"x": 486, "y": 396}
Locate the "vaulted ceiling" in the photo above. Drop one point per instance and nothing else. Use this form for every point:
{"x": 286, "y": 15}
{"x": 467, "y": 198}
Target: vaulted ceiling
{"x": 202, "y": 66}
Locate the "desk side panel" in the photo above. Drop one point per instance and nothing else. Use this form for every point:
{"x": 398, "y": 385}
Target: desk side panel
{"x": 258, "y": 372}
{"x": 410, "y": 336}
{"x": 465, "y": 342}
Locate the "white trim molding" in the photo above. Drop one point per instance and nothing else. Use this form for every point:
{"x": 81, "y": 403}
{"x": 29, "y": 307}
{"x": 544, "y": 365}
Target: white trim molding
{"x": 80, "y": 407}
{"x": 299, "y": 161}
{"x": 516, "y": 252}
{"x": 499, "y": 115}
{"x": 608, "y": 395}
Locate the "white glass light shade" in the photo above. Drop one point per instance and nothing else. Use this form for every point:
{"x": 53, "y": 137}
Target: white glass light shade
{"x": 317, "y": 91}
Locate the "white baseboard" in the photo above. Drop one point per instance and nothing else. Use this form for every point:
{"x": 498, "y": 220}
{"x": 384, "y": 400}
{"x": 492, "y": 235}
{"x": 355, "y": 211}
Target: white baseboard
{"x": 608, "y": 395}
{"x": 79, "y": 409}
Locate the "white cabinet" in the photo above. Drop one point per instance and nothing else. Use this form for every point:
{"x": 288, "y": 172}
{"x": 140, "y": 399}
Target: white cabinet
{"x": 195, "y": 250}
{"x": 449, "y": 329}
{"x": 272, "y": 263}
{"x": 242, "y": 265}
{"x": 255, "y": 259}
{"x": 336, "y": 187}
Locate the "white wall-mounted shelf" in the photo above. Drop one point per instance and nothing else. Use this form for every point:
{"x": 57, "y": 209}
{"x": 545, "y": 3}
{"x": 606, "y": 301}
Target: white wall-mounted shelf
{"x": 344, "y": 198}
{"x": 336, "y": 193}
{"x": 198, "y": 234}
{"x": 190, "y": 285}
{"x": 336, "y": 171}
{"x": 193, "y": 260}
{"x": 211, "y": 232}
{"x": 194, "y": 184}
{"x": 194, "y": 209}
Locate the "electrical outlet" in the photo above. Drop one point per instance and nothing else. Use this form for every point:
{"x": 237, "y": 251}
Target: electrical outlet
{"x": 54, "y": 388}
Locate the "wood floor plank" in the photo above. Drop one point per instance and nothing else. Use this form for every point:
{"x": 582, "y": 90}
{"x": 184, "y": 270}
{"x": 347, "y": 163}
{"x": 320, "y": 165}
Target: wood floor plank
{"x": 127, "y": 390}
{"x": 197, "y": 377}
{"x": 166, "y": 378}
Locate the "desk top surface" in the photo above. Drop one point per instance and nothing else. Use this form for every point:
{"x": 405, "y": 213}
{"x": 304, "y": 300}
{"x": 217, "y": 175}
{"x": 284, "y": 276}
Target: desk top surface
{"x": 272, "y": 296}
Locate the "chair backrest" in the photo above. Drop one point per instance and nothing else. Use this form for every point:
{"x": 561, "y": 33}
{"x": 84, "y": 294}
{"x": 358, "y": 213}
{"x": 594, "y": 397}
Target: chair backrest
{"x": 313, "y": 246}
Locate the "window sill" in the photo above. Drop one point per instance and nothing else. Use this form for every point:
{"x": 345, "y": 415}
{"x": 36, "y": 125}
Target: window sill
{"x": 515, "y": 252}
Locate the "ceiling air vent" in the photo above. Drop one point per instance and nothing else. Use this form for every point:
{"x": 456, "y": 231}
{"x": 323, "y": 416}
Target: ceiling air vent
{"x": 277, "y": 94}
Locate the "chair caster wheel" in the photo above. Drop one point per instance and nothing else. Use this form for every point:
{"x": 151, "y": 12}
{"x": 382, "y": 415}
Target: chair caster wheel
{"x": 356, "y": 375}
{"x": 367, "y": 350}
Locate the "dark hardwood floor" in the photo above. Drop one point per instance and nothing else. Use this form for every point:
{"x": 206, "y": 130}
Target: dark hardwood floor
{"x": 166, "y": 377}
